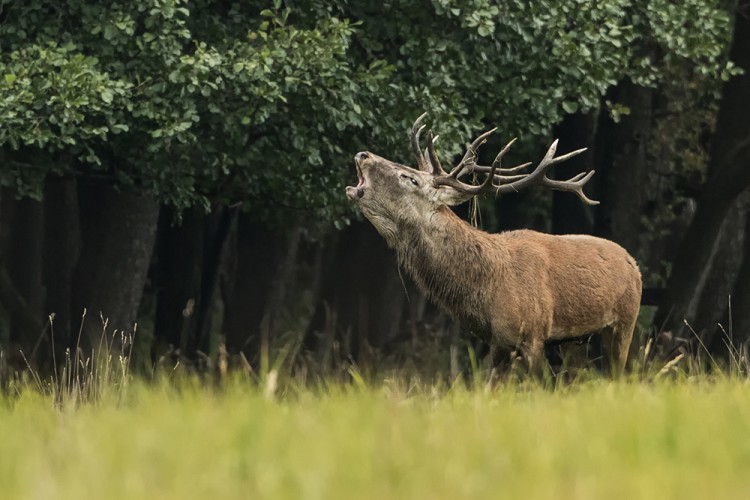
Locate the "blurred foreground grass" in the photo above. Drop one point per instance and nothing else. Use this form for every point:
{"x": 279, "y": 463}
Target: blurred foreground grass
{"x": 597, "y": 439}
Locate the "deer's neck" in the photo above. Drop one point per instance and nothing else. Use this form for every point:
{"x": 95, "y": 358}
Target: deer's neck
{"x": 450, "y": 261}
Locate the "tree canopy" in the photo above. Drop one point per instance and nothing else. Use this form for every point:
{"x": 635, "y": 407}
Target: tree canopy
{"x": 220, "y": 102}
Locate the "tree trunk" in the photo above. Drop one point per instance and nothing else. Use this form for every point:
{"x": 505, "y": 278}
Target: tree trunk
{"x": 323, "y": 285}
{"x": 118, "y": 229}
{"x": 623, "y": 163}
{"x": 257, "y": 256}
{"x": 693, "y": 263}
{"x": 61, "y": 249}
{"x": 569, "y": 215}
{"x": 190, "y": 256}
{"x": 362, "y": 300}
{"x": 729, "y": 175}
{"x": 738, "y": 326}
{"x": 216, "y": 237}
{"x": 23, "y": 261}
{"x": 710, "y": 307}
{"x": 179, "y": 258}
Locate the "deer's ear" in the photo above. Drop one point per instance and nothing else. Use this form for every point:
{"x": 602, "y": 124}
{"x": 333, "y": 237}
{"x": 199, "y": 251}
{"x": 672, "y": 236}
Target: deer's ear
{"x": 450, "y": 196}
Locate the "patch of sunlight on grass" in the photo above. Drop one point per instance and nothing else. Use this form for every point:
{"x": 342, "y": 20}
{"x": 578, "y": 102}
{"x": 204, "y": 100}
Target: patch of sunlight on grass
{"x": 593, "y": 440}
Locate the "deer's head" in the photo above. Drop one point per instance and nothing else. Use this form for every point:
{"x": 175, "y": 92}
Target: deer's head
{"x": 389, "y": 190}
{"x": 389, "y": 193}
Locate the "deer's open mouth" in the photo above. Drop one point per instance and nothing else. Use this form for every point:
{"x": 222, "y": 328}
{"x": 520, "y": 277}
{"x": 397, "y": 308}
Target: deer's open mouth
{"x": 355, "y": 193}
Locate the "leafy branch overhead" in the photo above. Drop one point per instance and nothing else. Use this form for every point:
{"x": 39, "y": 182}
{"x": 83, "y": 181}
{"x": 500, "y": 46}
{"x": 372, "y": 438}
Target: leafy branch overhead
{"x": 209, "y": 102}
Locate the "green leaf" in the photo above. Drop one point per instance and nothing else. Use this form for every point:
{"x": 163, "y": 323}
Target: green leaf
{"x": 570, "y": 107}
{"x": 107, "y": 96}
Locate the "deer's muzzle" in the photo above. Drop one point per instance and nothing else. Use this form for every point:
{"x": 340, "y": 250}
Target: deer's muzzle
{"x": 355, "y": 193}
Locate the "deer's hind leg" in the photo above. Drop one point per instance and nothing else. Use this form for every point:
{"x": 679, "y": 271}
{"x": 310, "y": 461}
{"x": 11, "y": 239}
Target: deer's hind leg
{"x": 616, "y": 340}
{"x": 533, "y": 354}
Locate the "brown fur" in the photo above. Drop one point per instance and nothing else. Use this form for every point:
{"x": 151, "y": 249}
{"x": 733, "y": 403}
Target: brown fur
{"x": 522, "y": 287}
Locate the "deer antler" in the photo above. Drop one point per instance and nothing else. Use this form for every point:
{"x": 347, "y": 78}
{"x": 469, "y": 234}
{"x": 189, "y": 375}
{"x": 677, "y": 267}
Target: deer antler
{"x": 416, "y": 130}
{"x": 497, "y": 183}
{"x": 433, "y": 164}
{"x": 437, "y": 169}
{"x": 471, "y": 154}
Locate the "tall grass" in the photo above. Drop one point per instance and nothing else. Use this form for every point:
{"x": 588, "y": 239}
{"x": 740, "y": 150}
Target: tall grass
{"x": 396, "y": 439}
{"x": 677, "y": 426}
{"x": 84, "y": 377}
{"x": 79, "y": 377}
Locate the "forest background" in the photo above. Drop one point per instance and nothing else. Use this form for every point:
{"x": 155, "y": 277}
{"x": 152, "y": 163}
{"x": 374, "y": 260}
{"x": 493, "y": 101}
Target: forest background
{"x": 181, "y": 165}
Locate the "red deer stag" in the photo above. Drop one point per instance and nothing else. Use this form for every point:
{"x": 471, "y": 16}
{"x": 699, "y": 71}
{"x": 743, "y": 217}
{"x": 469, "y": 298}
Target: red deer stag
{"x": 523, "y": 288}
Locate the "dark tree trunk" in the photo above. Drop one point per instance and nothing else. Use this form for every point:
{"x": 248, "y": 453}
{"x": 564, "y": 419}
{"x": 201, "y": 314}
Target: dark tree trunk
{"x": 118, "y": 229}
{"x": 623, "y": 163}
{"x": 189, "y": 257}
{"x": 710, "y": 307}
{"x": 323, "y": 285}
{"x": 216, "y": 237}
{"x": 257, "y": 255}
{"x": 693, "y": 263}
{"x": 362, "y": 300}
{"x": 569, "y": 215}
{"x": 23, "y": 261}
{"x": 179, "y": 254}
{"x": 739, "y": 324}
{"x": 61, "y": 249}
{"x": 28, "y": 321}
{"x": 729, "y": 175}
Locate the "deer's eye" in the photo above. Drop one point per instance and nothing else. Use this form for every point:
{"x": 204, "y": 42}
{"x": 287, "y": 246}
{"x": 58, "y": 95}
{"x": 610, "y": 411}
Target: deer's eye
{"x": 411, "y": 179}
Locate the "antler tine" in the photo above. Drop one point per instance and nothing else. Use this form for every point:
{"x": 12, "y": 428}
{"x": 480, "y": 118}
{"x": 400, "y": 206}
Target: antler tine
{"x": 515, "y": 169}
{"x": 480, "y": 168}
{"x": 512, "y": 170}
{"x": 437, "y": 169}
{"x": 577, "y": 177}
{"x": 416, "y": 130}
{"x": 573, "y": 185}
{"x": 499, "y": 180}
{"x": 426, "y": 154}
{"x": 497, "y": 167}
{"x": 471, "y": 153}
{"x": 560, "y": 159}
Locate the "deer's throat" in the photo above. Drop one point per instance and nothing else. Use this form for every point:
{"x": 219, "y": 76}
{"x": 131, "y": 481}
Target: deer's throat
{"x": 443, "y": 257}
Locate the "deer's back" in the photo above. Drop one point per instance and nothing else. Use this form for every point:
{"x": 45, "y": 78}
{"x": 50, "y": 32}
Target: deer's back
{"x": 580, "y": 283}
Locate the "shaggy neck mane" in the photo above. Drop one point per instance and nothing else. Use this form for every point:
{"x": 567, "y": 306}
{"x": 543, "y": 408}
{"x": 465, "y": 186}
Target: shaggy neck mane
{"x": 444, "y": 256}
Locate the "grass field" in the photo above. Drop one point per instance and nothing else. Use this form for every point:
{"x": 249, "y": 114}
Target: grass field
{"x": 596, "y": 439}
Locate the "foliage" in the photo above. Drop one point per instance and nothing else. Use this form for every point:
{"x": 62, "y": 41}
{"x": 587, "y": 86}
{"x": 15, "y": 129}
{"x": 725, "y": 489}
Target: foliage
{"x": 131, "y": 89}
{"x": 211, "y": 102}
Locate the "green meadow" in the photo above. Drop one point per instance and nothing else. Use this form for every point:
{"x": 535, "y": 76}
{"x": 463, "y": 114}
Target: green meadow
{"x": 681, "y": 438}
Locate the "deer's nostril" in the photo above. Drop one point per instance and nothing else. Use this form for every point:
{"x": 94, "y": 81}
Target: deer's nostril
{"x": 361, "y": 156}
